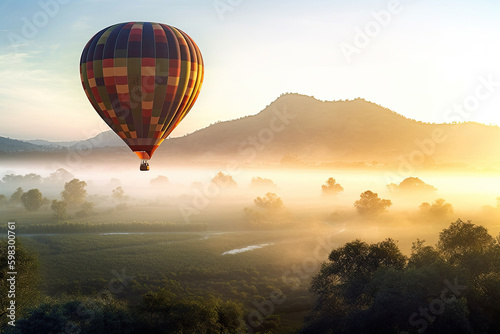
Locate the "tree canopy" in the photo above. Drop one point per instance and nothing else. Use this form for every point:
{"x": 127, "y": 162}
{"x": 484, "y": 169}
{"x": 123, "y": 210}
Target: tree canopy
{"x": 452, "y": 287}
{"x": 59, "y": 208}
{"x": 411, "y": 185}
{"x": 158, "y": 313}
{"x": 438, "y": 209}
{"x": 16, "y": 195}
{"x": 224, "y": 180}
{"x": 268, "y": 210}
{"x": 370, "y": 204}
{"x": 32, "y": 200}
{"x": 331, "y": 187}
{"x": 259, "y": 182}
{"x": 74, "y": 192}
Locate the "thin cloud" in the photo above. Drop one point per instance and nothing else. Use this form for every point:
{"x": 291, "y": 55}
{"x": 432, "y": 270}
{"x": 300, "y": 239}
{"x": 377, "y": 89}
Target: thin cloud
{"x": 82, "y": 24}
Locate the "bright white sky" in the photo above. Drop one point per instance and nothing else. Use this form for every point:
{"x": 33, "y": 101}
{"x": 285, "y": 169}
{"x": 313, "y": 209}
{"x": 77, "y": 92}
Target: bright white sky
{"x": 427, "y": 57}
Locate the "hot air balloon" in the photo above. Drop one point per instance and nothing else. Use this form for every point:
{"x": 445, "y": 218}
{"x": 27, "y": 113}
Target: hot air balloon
{"x": 142, "y": 78}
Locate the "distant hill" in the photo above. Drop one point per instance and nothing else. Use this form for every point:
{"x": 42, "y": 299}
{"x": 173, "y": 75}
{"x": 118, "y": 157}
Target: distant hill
{"x": 47, "y": 143}
{"x": 13, "y": 145}
{"x": 338, "y": 131}
{"x": 297, "y": 129}
{"x": 103, "y": 139}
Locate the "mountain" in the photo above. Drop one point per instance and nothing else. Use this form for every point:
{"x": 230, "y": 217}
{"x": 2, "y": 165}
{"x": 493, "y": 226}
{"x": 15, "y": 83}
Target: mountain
{"x": 297, "y": 129}
{"x": 103, "y": 139}
{"x": 13, "y": 145}
{"x": 59, "y": 144}
{"x": 338, "y": 131}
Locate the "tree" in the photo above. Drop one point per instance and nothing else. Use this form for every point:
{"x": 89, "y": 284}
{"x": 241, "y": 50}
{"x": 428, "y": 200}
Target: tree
{"x": 269, "y": 210}
{"x": 118, "y": 195}
{"x": 59, "y": 208}
{"x": 59, "y": 176}
{"x": 28, "y": 179}
{"x": 16, "y": 196}
{"x": 422, "y": 256}
{"x": 453, "y": 287}
{"x": 79, "y": 316}
{"x": 86, "y": 210}
{"x": 168, "y": 314}
{"x": 224, "y": 180}
{"x": 270, "y": 202}
{"x": 32, "y": 200}
{"x": 438, "y": 209}
{"x": 370, "y": 204}
{"x": 259, "y": 182}
{"x": 74, "y": 192}
{"x": 462, "y": 238}
{"x": 357, "y": 260}
{"x": 331, "y": 187}
{"x": 344, "y": 284}
{"x": 27, "y": 279}
{"x": 411, "y": 185}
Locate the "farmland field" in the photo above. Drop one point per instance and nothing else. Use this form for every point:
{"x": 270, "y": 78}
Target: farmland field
{"x": 187, "y": 264}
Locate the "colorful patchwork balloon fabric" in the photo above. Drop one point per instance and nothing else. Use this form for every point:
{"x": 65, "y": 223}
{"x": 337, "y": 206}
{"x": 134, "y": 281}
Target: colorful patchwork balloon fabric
{"x": 142, "y": 78}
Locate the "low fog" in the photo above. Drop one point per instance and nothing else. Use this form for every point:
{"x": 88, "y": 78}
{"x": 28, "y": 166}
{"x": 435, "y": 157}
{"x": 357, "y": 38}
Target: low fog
{"x": 356, "y": 204}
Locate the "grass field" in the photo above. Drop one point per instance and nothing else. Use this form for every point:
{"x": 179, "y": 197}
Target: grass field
{"x": 187, "y": 264}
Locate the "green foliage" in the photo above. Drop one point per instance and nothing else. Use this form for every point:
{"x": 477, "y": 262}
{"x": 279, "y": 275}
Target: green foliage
{"x": 155, "y": 315}
{"x": 30, "y": 179}
{"x": 422, "y": 256}
{"x": 32, "y": 200}
{"x": 74, "y": 192}
{"x": 189, "y": 265}
{"x": 355, "y": 263}
{"x": 90, "y": 316}
{"x": 453, "y": 287}
{"x": 61, "y": 175}
{"x": 86, "y": 210}
{"x": 462, "y": 238}
{"x": 370, "y": 204}
{"x": 118, "y": 194}
{"x": 167, "y": 314}
{"x": 59, "y": 208}
{"x": 16, "y": 196}
{"x": 331, "y": 187}
{"x": 27, "y": 280}
{"x": 68, "y": 227}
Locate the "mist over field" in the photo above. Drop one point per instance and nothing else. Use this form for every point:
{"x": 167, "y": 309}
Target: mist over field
{"x": 190, "y": 194}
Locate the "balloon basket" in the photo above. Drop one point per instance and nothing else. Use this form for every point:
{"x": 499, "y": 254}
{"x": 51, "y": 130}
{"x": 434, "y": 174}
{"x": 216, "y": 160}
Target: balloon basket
{"x": 144, "y": 166}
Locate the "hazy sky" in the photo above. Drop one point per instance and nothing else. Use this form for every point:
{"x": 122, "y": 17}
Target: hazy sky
{"x": 419, "y": 58}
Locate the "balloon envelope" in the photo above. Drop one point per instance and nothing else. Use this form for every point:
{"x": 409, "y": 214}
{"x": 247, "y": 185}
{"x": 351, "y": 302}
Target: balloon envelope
{"x": 142, "y": 78}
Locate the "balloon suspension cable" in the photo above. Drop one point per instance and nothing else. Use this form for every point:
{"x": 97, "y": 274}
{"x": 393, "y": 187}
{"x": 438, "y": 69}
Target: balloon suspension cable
{"x": 144, "y": 165}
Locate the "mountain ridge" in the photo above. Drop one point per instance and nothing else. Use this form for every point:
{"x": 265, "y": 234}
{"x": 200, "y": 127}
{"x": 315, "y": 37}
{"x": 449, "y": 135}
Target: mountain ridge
{"x": 314, "y": 130}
